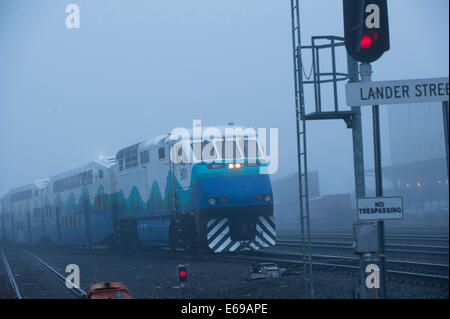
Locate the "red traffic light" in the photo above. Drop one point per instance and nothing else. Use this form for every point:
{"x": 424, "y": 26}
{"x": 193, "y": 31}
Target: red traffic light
{"x": 182, "y": 274}
{"x": 369, "y": 39}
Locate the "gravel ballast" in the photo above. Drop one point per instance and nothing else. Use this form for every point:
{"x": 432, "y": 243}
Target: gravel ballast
{"x": 154, "y": 275}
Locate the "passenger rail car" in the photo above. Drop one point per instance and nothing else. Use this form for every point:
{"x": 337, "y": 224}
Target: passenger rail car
{"x": 212, "y": 194}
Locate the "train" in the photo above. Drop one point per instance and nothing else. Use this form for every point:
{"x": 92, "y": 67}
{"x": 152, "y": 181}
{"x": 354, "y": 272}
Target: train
{"x": 216, "y": 201}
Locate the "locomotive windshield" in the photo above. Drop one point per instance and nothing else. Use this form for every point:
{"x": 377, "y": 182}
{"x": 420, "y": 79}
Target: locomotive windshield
{"x": 213, "y": 150}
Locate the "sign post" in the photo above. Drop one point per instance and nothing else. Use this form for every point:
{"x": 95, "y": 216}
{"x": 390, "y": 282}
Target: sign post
{"x": 445, "y": 115}
{"x": 366, "y": 74}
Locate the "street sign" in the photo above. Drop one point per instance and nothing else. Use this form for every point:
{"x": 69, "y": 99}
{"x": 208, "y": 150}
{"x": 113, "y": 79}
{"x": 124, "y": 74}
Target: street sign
{"x": 396, "y": 92}
{"x": 380, "y": 208}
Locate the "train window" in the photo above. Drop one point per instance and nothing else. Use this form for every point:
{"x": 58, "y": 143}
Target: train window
{"x": 145, "y": 157}
{"x": 121, "y": 165}
{"x": 204, "y": 151}
{"x": 228, "y": 149}
{"x": 161, "y": 153}
{"x": 131, "y": 156}
{"x": 249, "y": 147}
{"x": 100, "y": 173}
{"x": 90, "y": 176}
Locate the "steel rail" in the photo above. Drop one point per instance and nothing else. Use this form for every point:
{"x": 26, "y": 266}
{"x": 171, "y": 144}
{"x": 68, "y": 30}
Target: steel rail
{"x": 342, "y": 265}
{"x": 77, "y": 291}
{"x": 349, "y": 246}
{"x": 11, "y": 277}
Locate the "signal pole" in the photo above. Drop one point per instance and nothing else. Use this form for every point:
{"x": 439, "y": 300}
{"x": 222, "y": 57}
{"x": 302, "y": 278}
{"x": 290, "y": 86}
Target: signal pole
{"x": 445, "y": 115}
{"x": 366, "y": 76}
{"x": 358, "y": 160}
{"x": 358, "y": 151}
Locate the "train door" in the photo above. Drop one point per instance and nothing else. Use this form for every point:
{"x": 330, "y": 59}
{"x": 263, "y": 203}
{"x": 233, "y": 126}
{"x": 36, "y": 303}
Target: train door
{"x": 87, "y": 222}
{"x": 2, "y": 227}
{"x": 58, "y": 224}
{"x": 182, "y": 173}
{"x": 29, "y": 228}
{"x": 13, "y": 230}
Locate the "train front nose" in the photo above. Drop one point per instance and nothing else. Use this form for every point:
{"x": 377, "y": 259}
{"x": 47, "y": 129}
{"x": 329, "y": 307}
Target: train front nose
{"x": 236, "y": 211}
{"x": 229, "y": 195}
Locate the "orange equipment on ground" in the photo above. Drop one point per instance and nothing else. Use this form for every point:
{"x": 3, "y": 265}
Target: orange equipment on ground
{"x": 109, "y": 290}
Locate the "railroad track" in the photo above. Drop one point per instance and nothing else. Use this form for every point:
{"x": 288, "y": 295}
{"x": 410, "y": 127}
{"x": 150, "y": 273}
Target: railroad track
{"x": 31, "y": 277}
{"x": 434, "y": 274}
{"x": 390, "y": 239}
{"x": 428, "y": 273}
{"x": 396, "y": 248}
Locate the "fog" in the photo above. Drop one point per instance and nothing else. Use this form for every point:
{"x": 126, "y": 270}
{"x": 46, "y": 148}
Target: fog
{"x": 138, "y": 69}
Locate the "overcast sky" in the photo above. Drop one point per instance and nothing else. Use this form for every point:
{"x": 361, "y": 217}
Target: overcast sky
{"x": 137, "y": 69}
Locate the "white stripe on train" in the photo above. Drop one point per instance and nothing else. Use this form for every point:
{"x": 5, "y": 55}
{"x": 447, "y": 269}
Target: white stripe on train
{"x": 214, "y": 238}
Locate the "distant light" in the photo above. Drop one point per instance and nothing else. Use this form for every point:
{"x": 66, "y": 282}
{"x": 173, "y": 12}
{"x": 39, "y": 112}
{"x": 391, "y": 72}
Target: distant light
{"x": 183, "y": 274}
{"x": 418, "y": 184}
{"x": 439, "y": 182}
{"x": 100, "y": 157}
{"x": 407, "y": 185}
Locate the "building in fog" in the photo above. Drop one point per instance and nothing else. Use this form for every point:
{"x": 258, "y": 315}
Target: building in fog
{"x": 326, "y": 212}
{"x": 419, "y": 167}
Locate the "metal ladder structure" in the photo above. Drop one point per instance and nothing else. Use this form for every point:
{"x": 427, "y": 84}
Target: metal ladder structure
{"x": 305, "y": 232}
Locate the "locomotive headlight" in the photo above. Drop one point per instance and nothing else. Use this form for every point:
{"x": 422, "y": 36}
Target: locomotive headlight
{"x": 234, "y": 165}
{"x": 212, "y": 202}
{"x": 267, "y": 198}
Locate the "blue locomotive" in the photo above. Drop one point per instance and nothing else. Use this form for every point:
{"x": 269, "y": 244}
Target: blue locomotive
{"x": 219, "y": 198}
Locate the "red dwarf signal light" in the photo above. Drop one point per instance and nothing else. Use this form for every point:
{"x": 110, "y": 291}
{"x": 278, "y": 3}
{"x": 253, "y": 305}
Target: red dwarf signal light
{"x": 182, "y": 274}
{"x": 369, "y": 39}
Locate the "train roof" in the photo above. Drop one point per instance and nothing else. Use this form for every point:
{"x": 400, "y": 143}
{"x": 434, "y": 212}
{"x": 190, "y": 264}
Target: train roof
{"x": 164, "y": 139}
{"x": 230, "y": 130}
{"x": 39, "y": 184}
{"x": 105, "y": 164}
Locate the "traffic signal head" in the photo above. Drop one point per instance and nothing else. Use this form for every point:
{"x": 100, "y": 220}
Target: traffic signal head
{"x": 182, "y": 273}
{"x": 366, "y": 29}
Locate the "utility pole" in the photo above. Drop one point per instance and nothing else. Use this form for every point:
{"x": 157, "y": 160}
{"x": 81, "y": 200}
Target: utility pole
{"x": 358, "y": 160}
{"x": 445, "y": 115}
{"x": 358, "y": 152}
{"x": 366, "y": 76}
